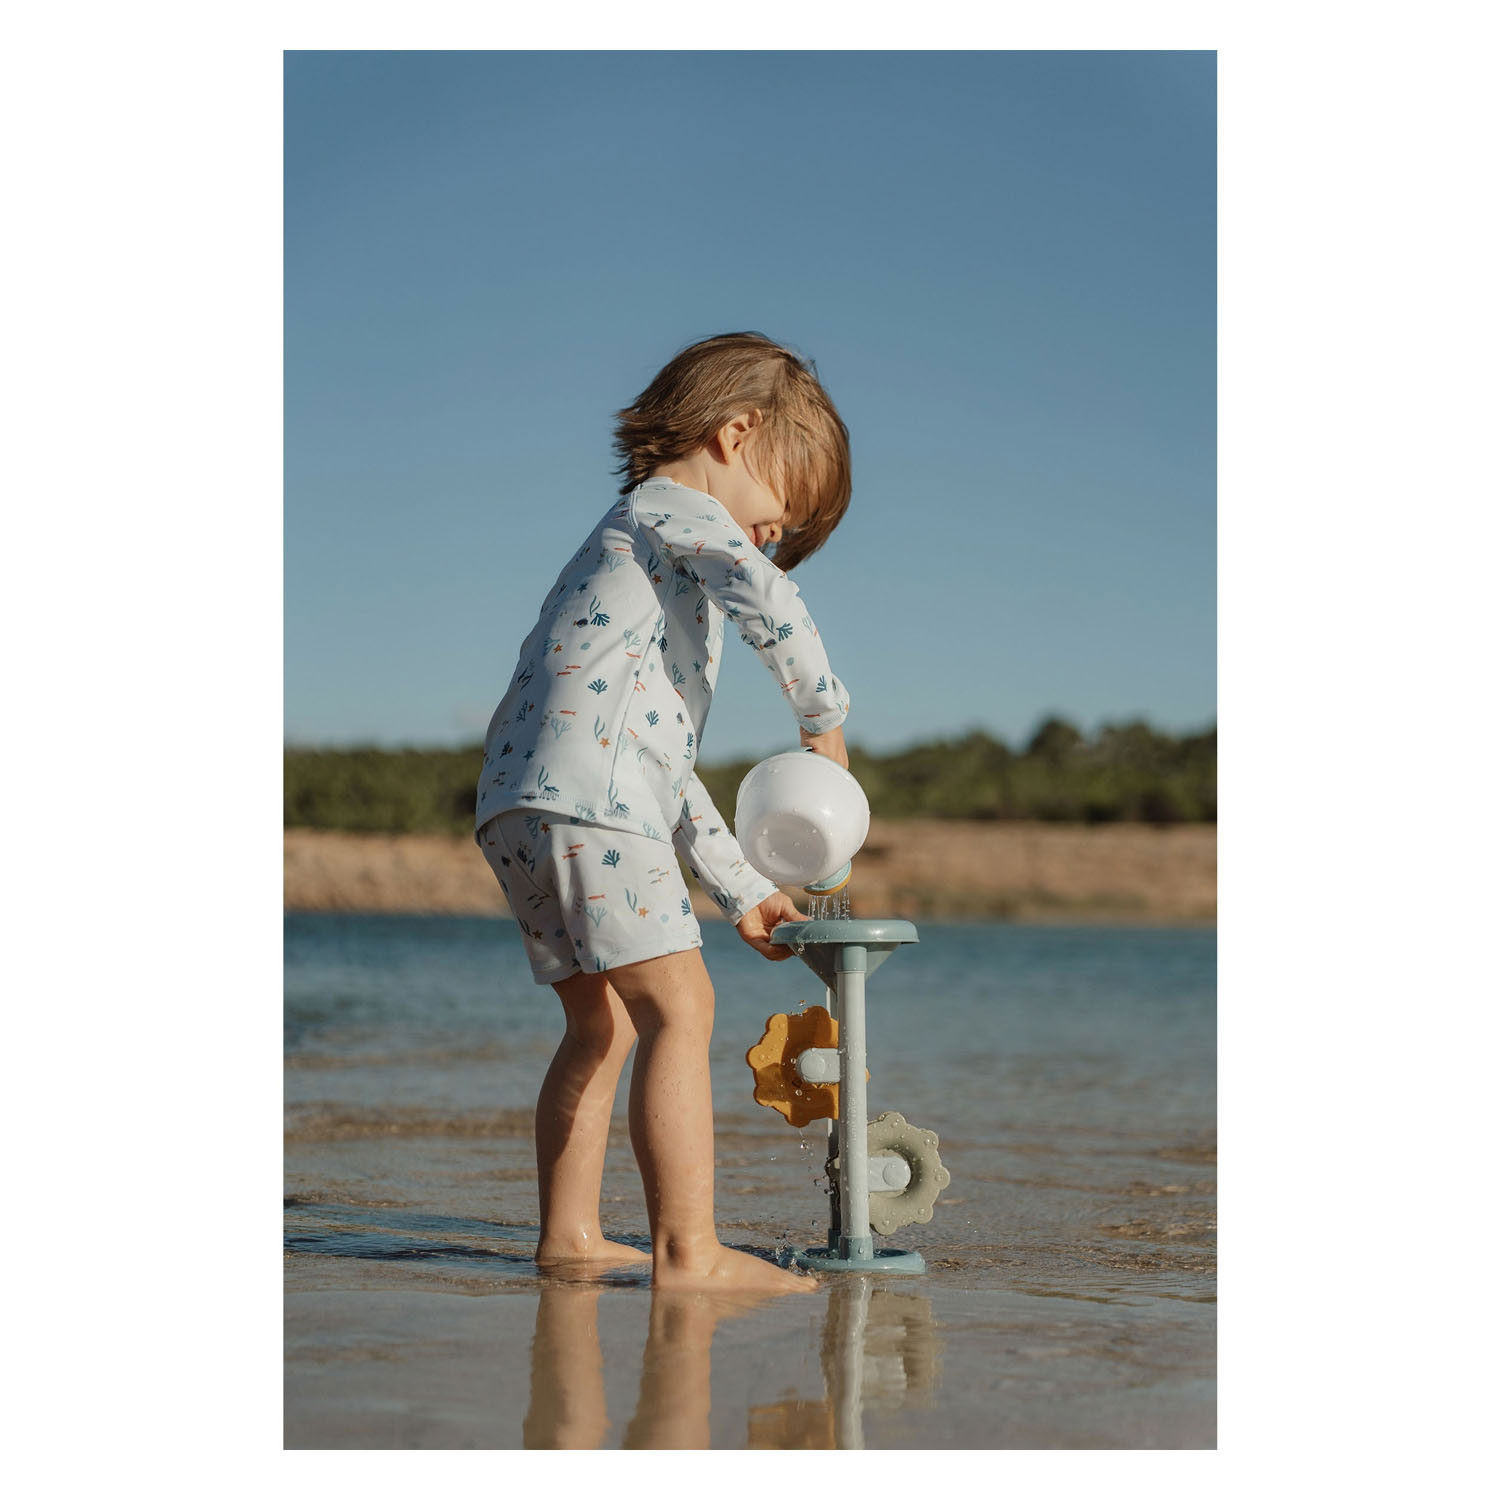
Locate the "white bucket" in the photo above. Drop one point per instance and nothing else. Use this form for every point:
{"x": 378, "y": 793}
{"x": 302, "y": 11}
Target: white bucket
{"x": 800, "y": 817}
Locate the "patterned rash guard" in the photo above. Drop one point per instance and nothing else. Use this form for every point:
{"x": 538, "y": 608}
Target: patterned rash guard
{"x": 602, "y": 720}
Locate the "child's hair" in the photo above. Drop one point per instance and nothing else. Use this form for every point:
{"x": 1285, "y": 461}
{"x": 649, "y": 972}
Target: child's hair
{"x": 803, "y": 439}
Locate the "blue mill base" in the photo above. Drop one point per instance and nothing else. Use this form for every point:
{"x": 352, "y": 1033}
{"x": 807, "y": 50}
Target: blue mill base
{"x": 879, "y": 1262}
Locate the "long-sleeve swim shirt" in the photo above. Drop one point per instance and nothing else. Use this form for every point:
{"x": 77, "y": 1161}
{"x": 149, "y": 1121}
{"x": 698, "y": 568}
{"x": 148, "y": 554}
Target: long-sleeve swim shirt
{"x": 604, "y": 716}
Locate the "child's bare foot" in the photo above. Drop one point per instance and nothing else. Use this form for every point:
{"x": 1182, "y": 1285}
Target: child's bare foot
{"x": 591, "y": 1251}
{"x": 726, "y": 1270}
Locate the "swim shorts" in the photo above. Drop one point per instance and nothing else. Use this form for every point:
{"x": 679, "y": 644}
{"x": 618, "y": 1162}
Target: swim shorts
{"x": 588, "y": 899}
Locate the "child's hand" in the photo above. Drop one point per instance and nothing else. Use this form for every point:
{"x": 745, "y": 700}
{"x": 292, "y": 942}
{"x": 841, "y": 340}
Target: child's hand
{"x": 830, "y": 744}
{"x": 757, "y": 923}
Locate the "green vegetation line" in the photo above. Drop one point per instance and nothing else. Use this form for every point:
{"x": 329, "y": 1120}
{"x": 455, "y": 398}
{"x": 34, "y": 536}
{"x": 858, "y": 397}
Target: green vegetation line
{"x": 1124, "y": 773}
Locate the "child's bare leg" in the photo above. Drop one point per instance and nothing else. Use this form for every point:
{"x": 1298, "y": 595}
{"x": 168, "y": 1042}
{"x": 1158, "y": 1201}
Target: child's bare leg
{"x": 572, "y": 1123}
{"x": 671, "y": 1002}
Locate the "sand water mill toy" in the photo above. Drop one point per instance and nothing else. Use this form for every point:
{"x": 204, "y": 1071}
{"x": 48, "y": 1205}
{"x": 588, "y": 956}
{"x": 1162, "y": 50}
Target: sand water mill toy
{"x": 800, "y": 819}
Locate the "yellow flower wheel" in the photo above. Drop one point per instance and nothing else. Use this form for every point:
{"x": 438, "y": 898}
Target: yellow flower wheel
{"x": 773, "y": 1061}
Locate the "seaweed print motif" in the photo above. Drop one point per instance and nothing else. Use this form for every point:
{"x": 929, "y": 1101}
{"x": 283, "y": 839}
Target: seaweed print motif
{"x": 615, "y": 805}
{"x": 544, "y": 787}
{"x": 596, "y": 914}
{"x": 560, "y": 727}
{"x": 596, "y": 615}
{"x": 598, "y": 685}
{"x": 677, "y": 675}
{"x": 784, "y": 631}
{"x": 533, "y": 823}
{"x": 611, "y": 560}
{"x": 687, "y": 907}
{"x": 630, "y": 898}
{"x": 585, "y": 810}
{"x": 599, "y": 727}
{"x": 652, "y": 717}
{"x": 611, "y": 857}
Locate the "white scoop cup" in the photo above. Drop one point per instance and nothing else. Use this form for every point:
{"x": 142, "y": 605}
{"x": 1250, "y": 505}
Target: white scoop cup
{"x": 800, "y": 818}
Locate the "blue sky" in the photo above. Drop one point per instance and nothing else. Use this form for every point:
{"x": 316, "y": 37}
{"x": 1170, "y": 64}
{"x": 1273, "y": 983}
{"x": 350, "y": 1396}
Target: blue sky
{"x": 1003, "y": 264}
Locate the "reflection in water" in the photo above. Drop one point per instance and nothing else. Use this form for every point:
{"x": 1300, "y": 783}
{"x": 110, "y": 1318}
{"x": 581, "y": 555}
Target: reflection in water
{"x": 672, "y": 1409}
{"x": 567, "y": 1370}
{"x": 879, "y": 1353}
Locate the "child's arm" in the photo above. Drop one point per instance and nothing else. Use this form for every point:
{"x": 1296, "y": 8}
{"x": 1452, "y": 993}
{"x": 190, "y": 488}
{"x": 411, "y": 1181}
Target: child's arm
{"x": 710, "y": 851}
{"x": 704, "y": 541}
{"x": 745, "y": 896}
{"x": 830, "y": 744}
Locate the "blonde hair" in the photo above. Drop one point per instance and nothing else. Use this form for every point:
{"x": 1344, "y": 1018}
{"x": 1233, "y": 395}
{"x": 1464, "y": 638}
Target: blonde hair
{"x": 802, "y": 437}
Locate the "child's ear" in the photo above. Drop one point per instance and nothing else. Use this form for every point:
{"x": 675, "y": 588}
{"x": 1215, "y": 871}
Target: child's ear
{"x": 735, "y": 433}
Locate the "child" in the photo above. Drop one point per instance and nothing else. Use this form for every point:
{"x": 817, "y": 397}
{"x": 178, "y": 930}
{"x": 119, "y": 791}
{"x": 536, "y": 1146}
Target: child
{"x": 589, "y": 784}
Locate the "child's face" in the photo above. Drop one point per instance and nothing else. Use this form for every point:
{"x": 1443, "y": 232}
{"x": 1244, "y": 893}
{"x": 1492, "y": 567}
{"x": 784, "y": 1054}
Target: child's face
{"x": 742, "y": 485}
{"x": 759, "y": 511}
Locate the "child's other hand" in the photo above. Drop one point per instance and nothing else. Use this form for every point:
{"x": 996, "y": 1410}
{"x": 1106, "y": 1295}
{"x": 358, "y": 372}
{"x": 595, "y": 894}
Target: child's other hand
{"x": 830, "y": 744}
{"x": 757, "y": 923}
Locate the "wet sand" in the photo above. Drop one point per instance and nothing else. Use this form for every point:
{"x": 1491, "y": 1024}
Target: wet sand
{"x": 412, "y": 1324}
{"x": 1069, "y": 1297}
{"x": 910, "y": 868}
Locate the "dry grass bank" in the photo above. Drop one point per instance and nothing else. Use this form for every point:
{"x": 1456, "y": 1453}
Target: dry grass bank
{"x": 911, "y": 868}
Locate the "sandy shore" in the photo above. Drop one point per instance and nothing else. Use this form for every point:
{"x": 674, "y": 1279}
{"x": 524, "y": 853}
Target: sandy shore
{"x": 911, "y": 868}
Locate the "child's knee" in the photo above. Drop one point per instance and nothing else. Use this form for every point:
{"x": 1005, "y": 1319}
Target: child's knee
{"x": 597, "y": 1021}
{"x": 602, "y": 1035}
{"x": 672, "y": 990}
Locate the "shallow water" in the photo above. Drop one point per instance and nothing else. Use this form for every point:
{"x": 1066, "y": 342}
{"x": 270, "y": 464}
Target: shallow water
{"x": 1069, "y": 1301}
